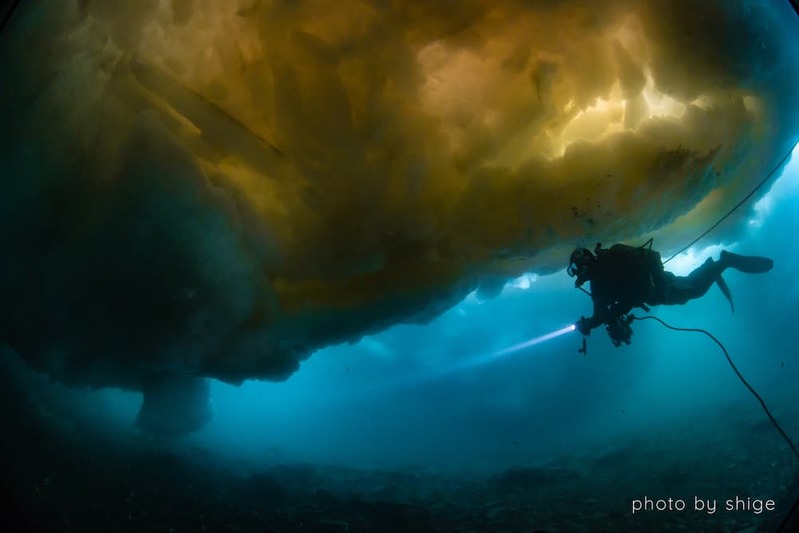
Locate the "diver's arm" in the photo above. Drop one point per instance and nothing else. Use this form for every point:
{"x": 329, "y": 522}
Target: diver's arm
{"x": 586, "y": 324}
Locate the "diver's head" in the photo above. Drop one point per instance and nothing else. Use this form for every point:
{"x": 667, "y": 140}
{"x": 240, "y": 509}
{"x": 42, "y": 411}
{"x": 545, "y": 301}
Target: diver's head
{"x": 580, "y": 263}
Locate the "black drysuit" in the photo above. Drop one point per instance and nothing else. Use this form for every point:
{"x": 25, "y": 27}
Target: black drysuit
{"x": 623, "y": 277}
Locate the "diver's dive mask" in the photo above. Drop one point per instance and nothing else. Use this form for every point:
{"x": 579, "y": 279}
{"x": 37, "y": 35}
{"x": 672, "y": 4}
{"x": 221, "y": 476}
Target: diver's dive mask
{"x": 578, "y": 265}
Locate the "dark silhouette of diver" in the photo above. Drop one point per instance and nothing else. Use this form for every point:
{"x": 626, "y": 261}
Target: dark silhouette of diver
{"x": 623, "y": 277}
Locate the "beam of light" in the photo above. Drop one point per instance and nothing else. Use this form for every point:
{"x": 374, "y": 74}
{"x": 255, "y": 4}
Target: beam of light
{"x": 533, "y": 342}
{"x": 471, "y": 363}
{"x": 466, "y": 364}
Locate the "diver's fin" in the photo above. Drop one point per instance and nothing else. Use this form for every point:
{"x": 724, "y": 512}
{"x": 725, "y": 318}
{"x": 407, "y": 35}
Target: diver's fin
{"x": 726, "y": 290}
{"x": 750, "y": 264}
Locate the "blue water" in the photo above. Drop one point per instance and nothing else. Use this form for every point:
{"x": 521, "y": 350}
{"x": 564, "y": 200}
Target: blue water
{"x": 403, "y": 397}
{"x": 430, "y": 419}
{"x": 437, "y": 426}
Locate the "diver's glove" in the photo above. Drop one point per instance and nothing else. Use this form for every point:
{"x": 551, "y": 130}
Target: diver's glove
{"x": 584, "y": 325}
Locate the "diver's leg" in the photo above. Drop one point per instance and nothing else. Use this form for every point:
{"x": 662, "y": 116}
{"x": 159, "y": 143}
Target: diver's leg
{"x": 680, "y": 289}
{"x": 697, "y": 283}
{"x": 700, "y": 279}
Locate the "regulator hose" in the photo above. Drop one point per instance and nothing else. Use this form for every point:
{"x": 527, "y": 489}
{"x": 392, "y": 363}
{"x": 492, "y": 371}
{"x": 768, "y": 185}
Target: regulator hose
{"x": 737, "y": 373}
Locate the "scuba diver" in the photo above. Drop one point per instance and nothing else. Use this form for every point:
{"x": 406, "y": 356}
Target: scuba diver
{"x": 623, "y": 277}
